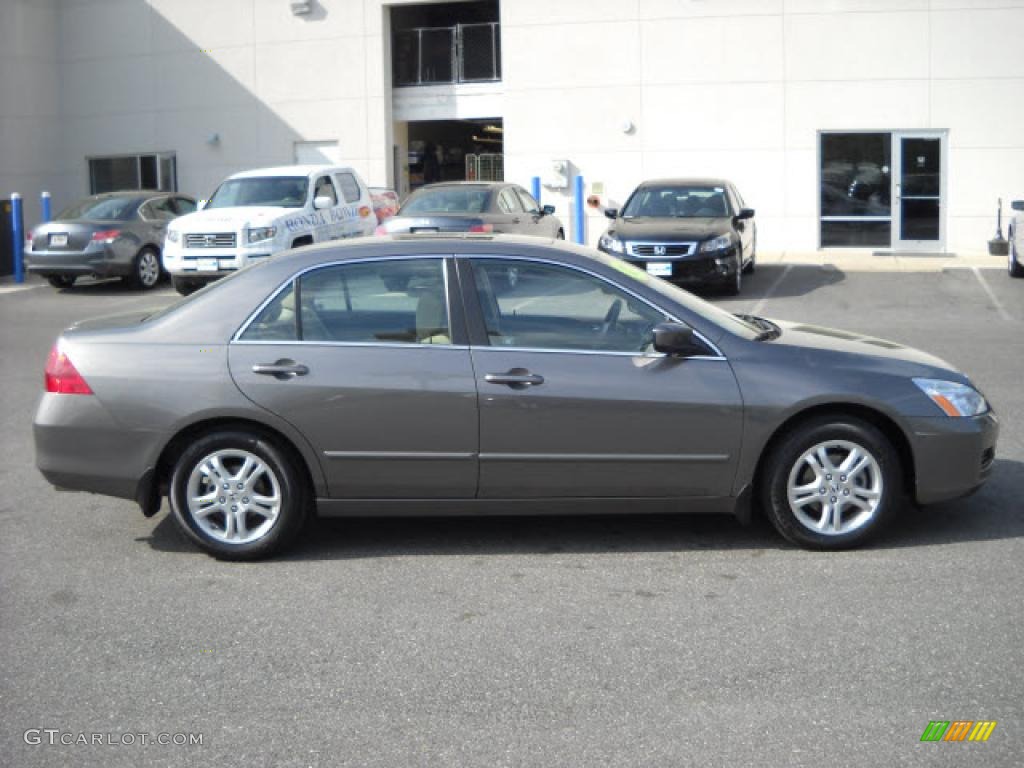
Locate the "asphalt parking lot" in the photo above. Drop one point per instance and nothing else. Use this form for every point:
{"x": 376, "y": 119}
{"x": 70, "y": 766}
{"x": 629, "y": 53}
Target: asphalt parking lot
{"x": 612, "y": 641}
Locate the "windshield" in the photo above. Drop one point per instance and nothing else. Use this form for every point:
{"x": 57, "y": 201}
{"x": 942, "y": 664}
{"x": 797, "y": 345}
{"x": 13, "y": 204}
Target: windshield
{"x": 448, "y": 200}
{"x": 277, "y": 191}
{"x": 678, "y": 201}
{"x": 103, "y": 209}
{"x": 724, "y": 320}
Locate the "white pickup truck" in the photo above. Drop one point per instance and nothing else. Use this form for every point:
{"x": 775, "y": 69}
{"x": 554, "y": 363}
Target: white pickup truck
{"x": 255, "y": 214}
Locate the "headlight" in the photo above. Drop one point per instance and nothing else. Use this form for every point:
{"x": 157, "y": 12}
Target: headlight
{"x": 173, "y": 236}
{"x": 719, "y": 243}
{"x": 953, "y": 398}
{"x": 256, "y": 234}
{"x": 611, "y": 244}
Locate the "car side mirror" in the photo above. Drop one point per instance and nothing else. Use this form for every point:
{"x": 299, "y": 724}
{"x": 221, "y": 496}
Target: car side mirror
{"x": 1017, "y": 205}
{"x": 745, "y": 213}
{"x": 547, "y": 210}
{"x": 674, "y": 339}
{"x": 322, "y": 201}
{"x": 611, "y": 213}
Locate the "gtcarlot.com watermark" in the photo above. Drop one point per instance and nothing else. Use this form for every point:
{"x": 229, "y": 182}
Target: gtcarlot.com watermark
{"x": 56, "y": 737}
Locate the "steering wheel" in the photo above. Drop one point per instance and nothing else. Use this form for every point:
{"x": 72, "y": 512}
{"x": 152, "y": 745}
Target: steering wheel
{"x": 611, "y": 317}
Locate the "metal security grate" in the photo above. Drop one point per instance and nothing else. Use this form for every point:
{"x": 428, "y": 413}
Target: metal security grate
{"x": 489, "y": 167}
{"x": 210, "y": 240}
{"x": 465, "y": 53}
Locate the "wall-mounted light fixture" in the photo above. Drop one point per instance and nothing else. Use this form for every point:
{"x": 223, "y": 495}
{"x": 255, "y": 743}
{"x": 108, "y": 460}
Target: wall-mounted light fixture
{"x": 213, "y": 139}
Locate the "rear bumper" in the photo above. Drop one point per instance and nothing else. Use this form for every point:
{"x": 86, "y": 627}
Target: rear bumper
{"x": 952, "y": 457}
{"x": 101, "y": 260}
{"x": 80, "y": 447}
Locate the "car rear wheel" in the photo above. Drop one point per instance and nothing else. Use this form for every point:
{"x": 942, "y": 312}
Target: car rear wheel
{"x": 61, "y": 281}
{"x": 1016, "y": 268}
{"x": 237, "y": 495}
{"x": 832, "y": 483}
{"x": 146, "y": 269}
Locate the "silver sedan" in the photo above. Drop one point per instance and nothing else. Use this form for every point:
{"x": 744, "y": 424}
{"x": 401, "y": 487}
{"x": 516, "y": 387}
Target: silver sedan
{"x": 390, "y": 377}
{"x": 113, "y": 234}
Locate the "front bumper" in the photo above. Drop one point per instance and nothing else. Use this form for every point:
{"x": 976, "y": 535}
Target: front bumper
{"x": 952, "y": 457}
{"x": 102, "y": 259}
{"x": 212, "y": 262}
{"x": 700, "y": 268}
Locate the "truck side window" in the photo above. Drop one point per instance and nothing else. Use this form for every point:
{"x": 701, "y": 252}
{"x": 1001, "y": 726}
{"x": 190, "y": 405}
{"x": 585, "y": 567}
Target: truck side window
{"x": 325, "y": 188}
{"x": 349, "y": 187}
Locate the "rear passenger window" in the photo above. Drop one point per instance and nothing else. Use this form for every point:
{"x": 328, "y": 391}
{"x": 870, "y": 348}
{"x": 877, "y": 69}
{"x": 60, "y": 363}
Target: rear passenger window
{"x": 324, "y": 188}
{"x": 349, "y": 187}
{"x": 508, "y": 202}
{"x": 389, "y": 302}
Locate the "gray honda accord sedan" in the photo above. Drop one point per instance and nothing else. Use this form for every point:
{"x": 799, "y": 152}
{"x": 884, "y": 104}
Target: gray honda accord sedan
{"x": 390, "y": 377}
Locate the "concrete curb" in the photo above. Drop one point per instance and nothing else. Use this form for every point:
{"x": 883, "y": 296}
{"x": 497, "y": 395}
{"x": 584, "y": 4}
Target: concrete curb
{"x": 869, "y": 261}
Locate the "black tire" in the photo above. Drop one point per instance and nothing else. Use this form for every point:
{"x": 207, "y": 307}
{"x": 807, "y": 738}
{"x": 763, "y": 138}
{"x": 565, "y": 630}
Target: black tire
{"x": 292, "y": 489}
{"x": 60, "y": 282}
{"x": 183, "y": 285}
{"x": 735, "y": 283}
{"x": 1015, "y": 267}
{"x": 146, "y": 269}
{"x": 786, "y": 458}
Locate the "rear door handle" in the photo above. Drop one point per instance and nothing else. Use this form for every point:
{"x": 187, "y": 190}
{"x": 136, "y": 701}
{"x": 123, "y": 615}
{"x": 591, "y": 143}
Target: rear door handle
{"x": 282, "y": 369}
{"x": 517, "y": 378}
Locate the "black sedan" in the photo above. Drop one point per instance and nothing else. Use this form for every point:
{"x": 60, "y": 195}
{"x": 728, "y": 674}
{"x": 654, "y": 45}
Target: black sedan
{"x": 495, "y": 207}
{"x": 113, "y": 234}
{"x": 686, "y": 231}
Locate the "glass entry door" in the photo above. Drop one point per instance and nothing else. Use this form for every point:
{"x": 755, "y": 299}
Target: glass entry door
{"x": 919, "y": 159}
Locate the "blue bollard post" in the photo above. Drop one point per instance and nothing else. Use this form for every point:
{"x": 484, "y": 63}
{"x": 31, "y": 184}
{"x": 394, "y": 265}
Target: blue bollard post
{"x": 44, "y": 201}
{"x": 535, "y": 188}
{"x": 19, "y": 238}
{"x": 577, "y": 205}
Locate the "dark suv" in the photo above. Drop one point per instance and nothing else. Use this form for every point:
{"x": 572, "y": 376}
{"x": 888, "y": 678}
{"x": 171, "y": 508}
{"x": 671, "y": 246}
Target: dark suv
{"x": 686, "y": 231}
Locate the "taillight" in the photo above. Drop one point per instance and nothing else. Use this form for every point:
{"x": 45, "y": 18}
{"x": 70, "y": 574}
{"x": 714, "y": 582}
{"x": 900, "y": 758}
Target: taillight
{"x": 482, "y": 228}
{"x": 106, "y": 235}
{"x": 61, "y": 376}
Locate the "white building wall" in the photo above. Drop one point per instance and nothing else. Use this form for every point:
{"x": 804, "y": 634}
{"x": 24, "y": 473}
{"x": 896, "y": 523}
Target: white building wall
{"x": 741, "y": 88}
{"x": 29, "y": 101}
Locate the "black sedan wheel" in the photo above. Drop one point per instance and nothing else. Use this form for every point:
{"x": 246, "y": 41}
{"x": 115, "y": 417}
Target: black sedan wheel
{"x": 237, "y": 495}
{"x": 831, "y": 484}
{"x": 1015, "y": 267}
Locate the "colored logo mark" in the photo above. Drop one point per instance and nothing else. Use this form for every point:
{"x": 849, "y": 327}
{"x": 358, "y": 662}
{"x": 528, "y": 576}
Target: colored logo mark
{"x": 958, "y": 730}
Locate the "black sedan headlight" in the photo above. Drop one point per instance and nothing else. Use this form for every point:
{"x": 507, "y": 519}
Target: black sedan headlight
{"x": 720, "y": 243}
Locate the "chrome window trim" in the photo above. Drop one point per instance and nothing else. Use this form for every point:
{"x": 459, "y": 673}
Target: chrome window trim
{"x": 691, "y": 244}
{"x": 704, "y": 339}
{"x": 605, "y": 353}
{"x": 237, "y": 337}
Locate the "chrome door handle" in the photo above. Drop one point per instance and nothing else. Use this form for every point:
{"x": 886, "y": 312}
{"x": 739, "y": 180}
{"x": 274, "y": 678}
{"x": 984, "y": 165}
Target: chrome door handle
{"x": 282, "y": 369}
{"x": 517, "y": 378}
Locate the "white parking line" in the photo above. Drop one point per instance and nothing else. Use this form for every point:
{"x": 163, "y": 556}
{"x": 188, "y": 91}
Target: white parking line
{"x": 15, "y": 288}
{"x": 992, "y": 297}
{"x": 759, "y": 307}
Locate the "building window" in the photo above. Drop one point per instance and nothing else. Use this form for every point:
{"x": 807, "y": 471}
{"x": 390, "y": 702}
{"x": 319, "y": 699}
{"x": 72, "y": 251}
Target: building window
{"x": 856, "y": 184}
{"x": 151, "y": 171}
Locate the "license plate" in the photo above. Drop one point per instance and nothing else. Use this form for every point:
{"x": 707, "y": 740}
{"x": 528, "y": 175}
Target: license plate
{"x": 207, "y": 265}
{"x": 659, "y": 268}
{"x": 59, "y": 240}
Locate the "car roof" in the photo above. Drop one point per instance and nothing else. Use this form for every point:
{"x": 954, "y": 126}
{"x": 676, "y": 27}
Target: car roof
{"x": 695, "y": 181}
{"x": 289, "y": 170}
{"x": 471, "y": 184}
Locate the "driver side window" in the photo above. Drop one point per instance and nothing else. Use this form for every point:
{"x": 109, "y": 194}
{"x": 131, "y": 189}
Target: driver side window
{"x": 542, "y": 306}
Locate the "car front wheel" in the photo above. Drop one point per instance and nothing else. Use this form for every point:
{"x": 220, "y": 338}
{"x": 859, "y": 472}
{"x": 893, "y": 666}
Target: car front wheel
{"x": 237, "y": 495}
{"x": 183, "y": 285}
{"x": 832, "y": 483}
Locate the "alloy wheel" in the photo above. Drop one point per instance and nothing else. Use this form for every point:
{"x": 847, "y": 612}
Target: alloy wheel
{"x": 835, "y": 487}
{"x": 148, "y": 269}
{"x": 233, "y": 496}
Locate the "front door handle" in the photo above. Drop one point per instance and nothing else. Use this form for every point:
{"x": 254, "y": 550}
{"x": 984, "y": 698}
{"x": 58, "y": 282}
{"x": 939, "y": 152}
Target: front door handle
{"x": 282, "y": 369}
{"x": 517, "y": 378}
